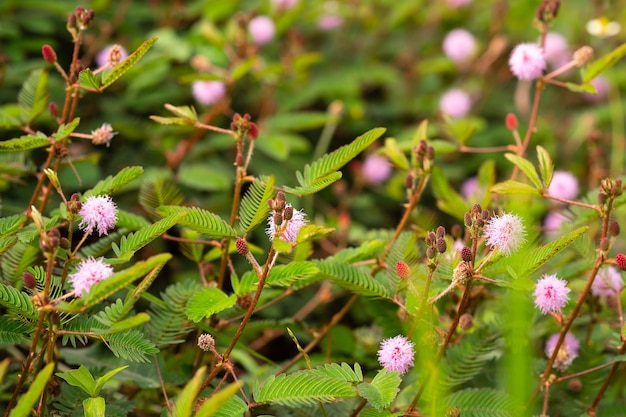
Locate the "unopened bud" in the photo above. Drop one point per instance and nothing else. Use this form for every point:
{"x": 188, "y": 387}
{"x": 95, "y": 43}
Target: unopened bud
{"x": 575, "y": 385}
{"x": 430, "y": 153}
{"x": 280, "y": 196}
{"x": 441, "y": 245}
{"x": 431, "y": 238}
{"x": 466, "y": 254}
{"x": 245, "y": 301}
{"x": 408, "y": 181}
{"x": 614, "y": 228}
{"x": 456, "y": 231}
{"x": 466, "y": 321}
{"x": 288, "y": 213}
{"x": 74, "y": 205}
{"x": 583, "y": 55}
{"x": 242, "y": 247}
{"x": 467, "y": 219}
{"x": 48, "y": 54}
{"x": 64, "y": 243}
{"x": 114, "y": 56}
{"x": 206, "y": 342}
{"x": 430, "y": 252}
{"x": 403, "y": 270}
{"x": 441, "y": 231}
{"x": 53, "y": 109}
{"x": 485, "y": 215}
{"x": 29, "y": 279}
{"x": 477, "y": 209}
{"x": 620, "y": 260}
{"x": 278, "y": 219}
{"x": 511, "y": 121}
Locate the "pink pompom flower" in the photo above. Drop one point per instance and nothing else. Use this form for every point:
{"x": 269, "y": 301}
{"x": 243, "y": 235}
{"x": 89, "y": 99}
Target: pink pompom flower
{"x": 288, "y": 229}
{"x": 608, "y": 282}
{"x": 98, "y": 212}
{"x": 527, "y": 61}
{"x": 459, "y": 45}
{"x": 556, "y": 50}
{"x": 262, "y": 29}
{"x": 376, "y": 169}
{"x": 551, "y": 294}
{"x": 111, "y": 55}
{"x": 552, "y": 223}
{"x": 396, "y": 354}
{"x": 456, "y": 103}
{"x": 208, "y": 92}
{"x": 103, "y": 135}
{"x": 567, "y": 352}
{"x": 563, "y": 185}
{"x": 505, "y": 233}
{"x": 89, "y": 272}
{"x": 284, "y": 4}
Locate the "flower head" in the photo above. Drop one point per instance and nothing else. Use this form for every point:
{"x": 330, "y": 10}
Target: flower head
{"x": 556, "y": 50}
{"x": 459, "y": 45}
{"x": 262, "y": 29}
{"x": 287, "y": 229}
{"x": 396, "y": 354}
{"x": 98, "y": 212}
{"x": 470, "y": 187}
{"x": 111, "y": 55}
{"x": 563, "y": 185}
{"x": 208, "y": 92}
{"x": 456, "y": 103}
{"x": 103, "y": 135}
{"x": 330, "y": 18}
{"x": 608, "y": 282}
{"x": 88, "y": 273}
{"x": 376, "y": 169}
{"x": 527, "y": 61}
{"x": 567, "y": 352}
{"x": 552, "y": 223}
{"x": 505, "y": 232}
{"x": 551, "y": 294}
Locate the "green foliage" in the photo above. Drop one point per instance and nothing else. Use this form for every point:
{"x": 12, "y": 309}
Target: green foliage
{"x": 526, "y": 167}
{"x": 293, "y": 274}
{"x": 200, "y": 220}
{"x": 125, "y": 66}
{"x": 208, "y": 301}
{"x": 254, "y": 208}
{"x": 351, "y": 278}
{"x": 481, "y": 402}
{"x": 17, "y": 302}
{"x": 467, "y": 359}
{"x": 219, "y": 401}
{"x": 28, "y": 400}
{"x": 131, "y": 345}
{"x": 111, "y": 184}
{"x": 24, "y": 143}
{"x": 382, "y": 390}
{"x": 233, "y": 407}
{"x": 603, "y": 63}
{"x": 83, "y": 379}
{"x": 64, "y": 130}
{"x": 11, "y": 224}
{"x": 448, "y": 200}
{"x": 33, "y": 97}
{"x": 137, "y": 240}
{"x": 157, "y": 193}
{"x": 183, "y": 404}
{"x": 13, "y": 332}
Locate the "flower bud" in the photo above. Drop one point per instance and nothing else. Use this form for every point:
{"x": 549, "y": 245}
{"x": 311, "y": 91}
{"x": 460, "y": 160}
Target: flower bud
{"x": 408, "y": 181}
{"x": 403, "y": 270}
{"x": 620, "y": 260}
{"x": 64, "y": 243}
{"x": 206, "y": 342}
{"x": 466, "y": 321}
{"x": 74, "y": 205}
{"x": 511, "y": 121}
{"x": 441, "y": 245}
{"x": 242, "y": 247}
{"x": 29, "y": 279}
{"x": 278, "y": 219}
{"x": 48, "y": 54}
{"x": 53, "y": 109}
{"x": 574, "y": 385}
{"x": 614, "y": 228}
{"x": 288, "y": 213}
{"x": 456, "y": 231}
{"x": 583, "y": 55}
{"x": 441, "y": 231}
{"x": 467, "y": 220}
{"x": 466, "y": 254}
{"x": 430, "y": 252}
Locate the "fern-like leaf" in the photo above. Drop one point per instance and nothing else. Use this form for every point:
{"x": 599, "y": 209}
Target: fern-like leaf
{"x": 207, "y": 302}
{"x": 137, "y": 240}
{"x": 24, "y": 143}
{"x": 342, "y": 372}
{"x": 382, "y": 390}
{"x": 467, "y": 359}
{"x": 168, "y": 324}
{"x": 156, "y": 193}
{"x": 77, "y": 327}
{"x": 12, "y": 224}
{"x": 131, "y": 345}
{"x": 351, "y": 278}
{"x": 13, "y": 332}
{"x": 333, "y": 161}
{"x": 101, "y": 246}
{"x": 200, "y": 220}
{"x": 254, "y": 209}
{"x": 235, "y": 406}
{"x": 111, "y": 184}
{"x": 317, "y": 185}
{"x": 481, "y": 402}
{"x": 65, "y": 130}
{"x": 17, "y": 302}
{"x": 33, "y": 97}
{"x": 15, "y": 261}
{"x": 125, "y": 66}
{"x": 301, "y": 389}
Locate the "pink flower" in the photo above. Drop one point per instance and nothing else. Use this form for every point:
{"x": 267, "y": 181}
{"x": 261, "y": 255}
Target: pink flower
{"x": 376, "y": 169}
{"x": 456, "y": 103}
{"x": 98, "y": 212}
{"x": 459, "y": 45}
{"x": 288, "y": 229}
{"x": 88, "y": 273}
{"x": 567, "y": 352}
{"x": 556, "y": 51}
{"x": 330, "y": 18}
{"x": 552, "y": 223}
{"x": 103, "y": 135}
{"x": 602, "y": 89}
{"x": 111, "y": 56}
{"x": 458, "y": 3}
{"x": 608, "y": 282}
{"x": 469, "y": 187}
{"x": 284, "y": 4}
{"x": 551, "y": 294}
{"x": 396, "y": 354}
{"x": 208, "y": 92}
{"x": 505, "y": 232}
{"x": 527, "y": 61}
{"x": 262, "y": 29}
{"x": 563, "y": 185}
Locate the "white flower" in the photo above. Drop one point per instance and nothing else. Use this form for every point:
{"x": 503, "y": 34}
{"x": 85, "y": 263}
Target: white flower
{"x": 505, "y": 233}
{"x": 289, "y": 228}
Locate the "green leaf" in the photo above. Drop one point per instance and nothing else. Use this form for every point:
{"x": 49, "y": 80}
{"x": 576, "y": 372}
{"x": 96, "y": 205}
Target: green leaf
{"x": 131, "y": 345}
{"x": 80, "y": 378}
{"x": 393, "y": 152}
{"x": 183, "y": 404}
{"x": 296, "y": 121}
{"x": 603, "y": 63}
{"x": 156, "y": 193}
{"x": 64, "y": 130}
{"x": 527, "y": 168}
{"x": 121, "y": 279}
{"x": 142, "y": 237}
{"x": 351, "y": 278}
{"x": 481, "y": 402}
{"x": 219, "y": 400}
{"x": 582, "y": 88}
{"x": 204, "y": 177}
{"x": 207, "y": 302}
{"x": 342, "y": 372}
{"x": 24, "y": 143}
{"x": 124, "y": 66}
{"x": 235, "y": 406}
{"x": 13, "y": 332}
{"x": 333, "y": 161}
{"x": 243, "y": 68}
{"x": 87, "y": 79}
{"x": 254, "y": 209}
{"x": 546, "y": 167}
{"x": 200, "y": 220}
{"x": 286, "y": 275}
{"x": 100, "y": 382}
{"x": 33, "y": 97}
{"x": 123, "y": 325}
{"x": 8, "y": 117}
{"x": 513, "y": 187}
{"x": 448, "y": 200}
{"x": 301, "y": 389}
{"x": 28, "y": 400}
{"x": 94, "y": 407}
{"x": 316, "y": 186}
{"x": 111, "y": 184}
{"x": 486, "y": 179}
{"x": 12, "y": 224}
{"x": 17, "y": 302}
{"x": 186, "y": 116}
{"x": 382, "y": 390}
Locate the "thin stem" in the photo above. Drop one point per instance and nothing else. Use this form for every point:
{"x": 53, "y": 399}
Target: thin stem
{"x": 572, "y": 202}
{"x": 489, "y": 149}
{"x": 592, "y": 408}
{"x": 531, "y": 124}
